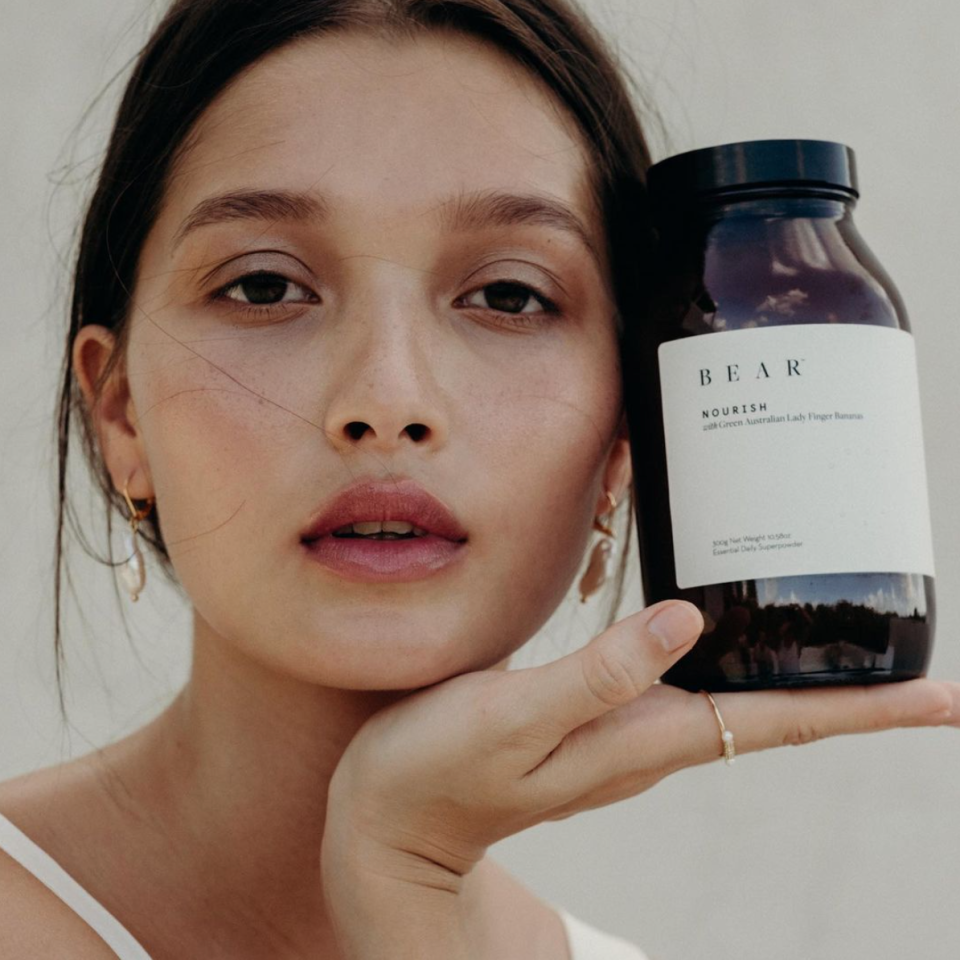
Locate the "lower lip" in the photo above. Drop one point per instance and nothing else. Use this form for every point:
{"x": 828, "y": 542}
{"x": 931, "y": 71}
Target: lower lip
{"x": 384, "y": 561}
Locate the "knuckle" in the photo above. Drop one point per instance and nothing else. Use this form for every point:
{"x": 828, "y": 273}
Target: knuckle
{"x": 800, "y": 734}
{"x": 800, "y": 730}
{"x": 938, "y": 706}
{"x": 610, "y": 678}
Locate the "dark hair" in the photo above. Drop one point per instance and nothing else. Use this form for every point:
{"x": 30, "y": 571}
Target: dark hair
{"x": 201, "y": 45}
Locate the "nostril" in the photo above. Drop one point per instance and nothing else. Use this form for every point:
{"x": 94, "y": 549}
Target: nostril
{"x": 357, "y": 428}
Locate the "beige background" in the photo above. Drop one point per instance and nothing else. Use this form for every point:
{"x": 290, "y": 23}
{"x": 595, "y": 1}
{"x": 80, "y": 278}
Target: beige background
{"x": 843, "y": 849}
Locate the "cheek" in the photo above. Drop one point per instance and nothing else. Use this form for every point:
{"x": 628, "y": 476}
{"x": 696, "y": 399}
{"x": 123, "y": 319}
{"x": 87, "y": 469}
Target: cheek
{"x": 218, "y": 443}
{"x": 543, "y": 468}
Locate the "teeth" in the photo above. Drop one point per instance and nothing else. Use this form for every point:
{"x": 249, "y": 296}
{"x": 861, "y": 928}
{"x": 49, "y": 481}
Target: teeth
{"x": 387, "y": 526}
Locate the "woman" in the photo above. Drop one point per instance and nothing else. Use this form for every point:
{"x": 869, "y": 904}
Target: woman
{"x": 366, "y": 262}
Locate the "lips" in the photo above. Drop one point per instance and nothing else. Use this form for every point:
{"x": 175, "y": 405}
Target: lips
{"x": 385, "y": 500}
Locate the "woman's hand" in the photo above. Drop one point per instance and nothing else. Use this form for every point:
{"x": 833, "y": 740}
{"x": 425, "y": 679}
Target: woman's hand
{"x": 428, "y": 783}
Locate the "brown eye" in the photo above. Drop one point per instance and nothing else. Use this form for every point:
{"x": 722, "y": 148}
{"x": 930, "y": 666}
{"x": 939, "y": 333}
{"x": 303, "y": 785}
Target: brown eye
{"x": 261, "y": 289}
{"x": 508, "y": 300}
{"x": 507, "y": 296}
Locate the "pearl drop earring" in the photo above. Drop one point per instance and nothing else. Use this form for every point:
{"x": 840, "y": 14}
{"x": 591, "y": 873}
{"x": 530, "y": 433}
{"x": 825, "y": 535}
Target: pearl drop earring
{"x": 133, "y": 573}
{"x": 602, "y": 557}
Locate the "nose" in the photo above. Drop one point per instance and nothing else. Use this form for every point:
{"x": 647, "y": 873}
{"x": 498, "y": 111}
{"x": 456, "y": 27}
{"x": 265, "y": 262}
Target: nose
{"x": 385, "y": 394}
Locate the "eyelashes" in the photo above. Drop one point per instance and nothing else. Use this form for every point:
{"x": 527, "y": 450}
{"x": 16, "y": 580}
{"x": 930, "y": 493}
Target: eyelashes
{"x": 266, "y": 281}
{"x": 273, "y": 288}
{"x": 512, "y": 291}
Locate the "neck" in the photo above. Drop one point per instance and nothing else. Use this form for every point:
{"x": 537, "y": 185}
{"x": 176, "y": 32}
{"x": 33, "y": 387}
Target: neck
{"x": 233, "y": 778}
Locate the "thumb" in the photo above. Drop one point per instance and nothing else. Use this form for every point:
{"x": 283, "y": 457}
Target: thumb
{"x": 614, "y": 668}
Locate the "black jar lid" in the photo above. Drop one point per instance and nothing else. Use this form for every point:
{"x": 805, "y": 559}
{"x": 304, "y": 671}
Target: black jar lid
{"x": 753, "y": 166}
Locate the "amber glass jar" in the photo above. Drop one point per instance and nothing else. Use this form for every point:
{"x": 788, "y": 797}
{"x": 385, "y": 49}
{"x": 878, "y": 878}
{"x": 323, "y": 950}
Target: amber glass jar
{"x": 772, "y": 397}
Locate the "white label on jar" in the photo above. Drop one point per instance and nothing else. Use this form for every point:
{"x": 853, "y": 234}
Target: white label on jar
{"x": 795, "y": 450}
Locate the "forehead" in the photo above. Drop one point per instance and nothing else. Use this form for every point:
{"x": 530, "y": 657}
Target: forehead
{"x": 385, "y": 126}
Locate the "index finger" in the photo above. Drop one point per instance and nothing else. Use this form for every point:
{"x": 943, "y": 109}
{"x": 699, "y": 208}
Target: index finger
{"x": 761, "y": 719}
{"x": 668, "y": 729}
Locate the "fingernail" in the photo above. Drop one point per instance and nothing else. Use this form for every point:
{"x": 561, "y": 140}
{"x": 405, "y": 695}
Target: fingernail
{"x": 676, "y": 624}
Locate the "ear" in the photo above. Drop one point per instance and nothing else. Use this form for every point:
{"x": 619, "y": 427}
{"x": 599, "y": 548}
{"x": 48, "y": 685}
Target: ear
{"x": 112, "y": 414}
{"x": 618, "y": 471}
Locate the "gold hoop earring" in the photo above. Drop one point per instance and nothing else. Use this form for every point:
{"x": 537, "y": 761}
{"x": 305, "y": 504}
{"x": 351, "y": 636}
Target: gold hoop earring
{"x": 603, "y": 555}
{"x": 133, "y": 573}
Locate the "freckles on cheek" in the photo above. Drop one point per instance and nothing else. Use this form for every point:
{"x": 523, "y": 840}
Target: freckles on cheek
{"x": 558, "y": 423}
{"x": 207, "y": 441}
{"x": 548, "y": 453}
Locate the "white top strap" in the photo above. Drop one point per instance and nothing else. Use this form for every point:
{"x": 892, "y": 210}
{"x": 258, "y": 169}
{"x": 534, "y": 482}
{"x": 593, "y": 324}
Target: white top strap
{"x": 589, "y": 943}
{"x": 15, "y": 842}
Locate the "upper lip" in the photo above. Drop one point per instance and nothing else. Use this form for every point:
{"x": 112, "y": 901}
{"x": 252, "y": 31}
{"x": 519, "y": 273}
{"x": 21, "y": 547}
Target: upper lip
{"x": 385, "y": 500}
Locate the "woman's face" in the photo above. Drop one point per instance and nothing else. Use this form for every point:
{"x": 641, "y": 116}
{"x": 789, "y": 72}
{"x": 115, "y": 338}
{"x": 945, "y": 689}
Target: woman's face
{"x": 385, "y": 312}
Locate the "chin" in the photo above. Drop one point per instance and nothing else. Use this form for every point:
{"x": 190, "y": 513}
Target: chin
{"x": 394, "y": 655}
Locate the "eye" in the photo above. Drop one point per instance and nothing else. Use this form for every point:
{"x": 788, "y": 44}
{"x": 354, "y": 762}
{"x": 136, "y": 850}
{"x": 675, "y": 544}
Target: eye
{"x": 258, "y": 292}
{"x": 510, "y": 298}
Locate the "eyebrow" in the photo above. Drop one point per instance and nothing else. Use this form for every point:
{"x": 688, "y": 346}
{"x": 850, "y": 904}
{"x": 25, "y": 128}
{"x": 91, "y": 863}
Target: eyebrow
{"x": 463, "y": 211}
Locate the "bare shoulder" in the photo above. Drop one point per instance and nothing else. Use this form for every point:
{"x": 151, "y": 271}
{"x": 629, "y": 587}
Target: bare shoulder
{"x": 35, "y": 922}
